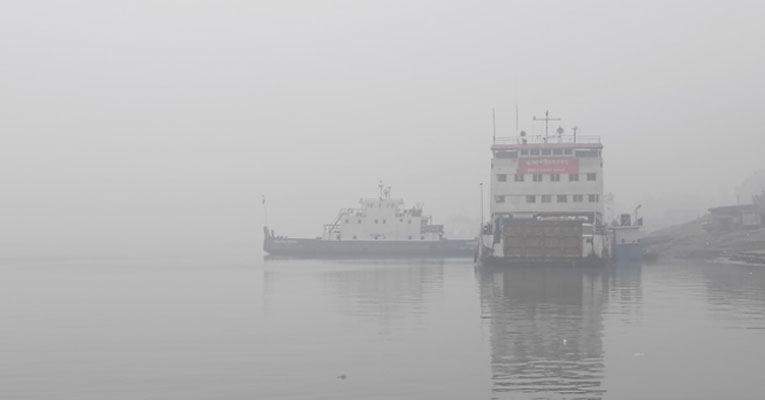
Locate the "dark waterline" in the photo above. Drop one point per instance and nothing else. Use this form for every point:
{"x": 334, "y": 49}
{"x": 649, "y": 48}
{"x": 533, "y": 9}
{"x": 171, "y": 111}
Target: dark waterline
{"x": 202, "y": 329}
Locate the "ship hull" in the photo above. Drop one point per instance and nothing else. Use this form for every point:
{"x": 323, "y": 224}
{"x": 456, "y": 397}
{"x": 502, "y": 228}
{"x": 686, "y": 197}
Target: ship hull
{"x": 533, "y": 242}
{"x": 628, "y": 252}
{"x": 543, "y": 262}
{"x": 317, "y": 248}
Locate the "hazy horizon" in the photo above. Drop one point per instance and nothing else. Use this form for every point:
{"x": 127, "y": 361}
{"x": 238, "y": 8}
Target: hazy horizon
{"x": 155, "y": 127}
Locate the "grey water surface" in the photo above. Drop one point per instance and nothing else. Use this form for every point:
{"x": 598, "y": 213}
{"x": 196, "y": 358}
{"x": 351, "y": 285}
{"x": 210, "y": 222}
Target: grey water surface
{"x": 217, "y": 329}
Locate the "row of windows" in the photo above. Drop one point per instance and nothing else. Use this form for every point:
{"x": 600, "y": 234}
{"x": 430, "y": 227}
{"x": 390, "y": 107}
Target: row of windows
{"x": 579, "y": 153}
{"x": 560, "y": 198}
{"x": 559, "y": 152}
{"x": 546, "y": 152}
{"x": 422, "y": 237}
{"x": 591, "y": 176}
{"x": 347, "y": 221}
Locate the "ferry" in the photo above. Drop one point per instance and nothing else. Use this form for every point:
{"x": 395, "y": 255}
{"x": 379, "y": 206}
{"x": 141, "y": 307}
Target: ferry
{"x": 380, "y": 227}
{"x": 546, "y": 201}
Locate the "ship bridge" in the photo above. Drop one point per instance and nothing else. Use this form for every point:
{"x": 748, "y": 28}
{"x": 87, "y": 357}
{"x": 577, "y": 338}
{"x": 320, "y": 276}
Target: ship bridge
{"x": 547, "y": 175}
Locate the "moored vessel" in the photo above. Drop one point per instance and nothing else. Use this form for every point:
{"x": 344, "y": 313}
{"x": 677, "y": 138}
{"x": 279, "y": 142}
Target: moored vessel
{"x": 380, "y": 227}
{"x": 546, "y": 202}
{"x": 626, "y": 236}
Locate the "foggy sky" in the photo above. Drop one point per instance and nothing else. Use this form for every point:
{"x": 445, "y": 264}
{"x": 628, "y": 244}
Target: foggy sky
{"x": 154, "y": 127}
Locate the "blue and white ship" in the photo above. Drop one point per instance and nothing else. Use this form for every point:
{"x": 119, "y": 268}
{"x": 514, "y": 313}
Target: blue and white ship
{"x": 626, "y": 236}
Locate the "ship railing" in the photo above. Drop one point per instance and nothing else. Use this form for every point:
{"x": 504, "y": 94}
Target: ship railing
{"x": 373, "y": 200}
{"x": 555, "y": 139}
{"x": 349, "y": 212}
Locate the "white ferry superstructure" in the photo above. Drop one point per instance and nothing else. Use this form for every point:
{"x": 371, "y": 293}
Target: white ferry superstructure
{"x": 380, "y": 227}
{"x": 547, "y": 202}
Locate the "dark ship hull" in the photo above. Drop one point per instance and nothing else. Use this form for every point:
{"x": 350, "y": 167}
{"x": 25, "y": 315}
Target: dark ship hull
{"x": 543, "y": 262}
{"x": 318, "y": 248}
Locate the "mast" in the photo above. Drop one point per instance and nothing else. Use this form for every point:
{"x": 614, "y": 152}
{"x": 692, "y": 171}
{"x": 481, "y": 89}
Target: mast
{"x": 493, "y": 127}
{"x": 265, "y": 211}
{"x": 481, "y": 190}
{"x": 516, "y": 119}
{"x": 547, "y": 120}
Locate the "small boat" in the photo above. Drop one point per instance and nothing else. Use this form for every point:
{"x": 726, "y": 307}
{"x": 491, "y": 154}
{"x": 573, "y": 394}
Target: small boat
{"x": 626, "y": 236}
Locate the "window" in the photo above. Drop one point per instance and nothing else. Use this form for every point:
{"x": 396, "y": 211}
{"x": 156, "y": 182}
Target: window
{"x": 562, "y": 198}
{"x": 519, "y": 177}
{"x": 401, "y": 220}
{"x": 501, "y": 177}
{"x": 524, "y": 152}
{"x": 591, "y": 176}
{"x": 593, "y": 198}
{"x": 359, "y": 221}
{"x": 384, "y": 221}
{"x": 546, "y": 152}
{"x": 546, "y": 198}
{"x": 558, "y": 152}
{"x": 505, "y": 154}
{"x": 499, "y": 199}
{"x": 409, "y": 221}
{"x": 376, "y": 221}
{"x": 573, "y": 177}
{"x": 587, "y": 153}
{"x": 578, "y": 198}
{"x": 346, "y": 221}
{"x": 410, "y": 238}
{"x": 537, "y": 177}
{"x": 534, "y": 152}
{"x": 531, "y": 198}
{"x": 568, "y": 152}
{"x": 555, "y": 177}
{"x": 422, "y": 237}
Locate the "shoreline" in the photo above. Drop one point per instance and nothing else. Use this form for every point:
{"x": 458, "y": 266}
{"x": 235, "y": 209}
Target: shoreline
{"x": 691, "y": 241}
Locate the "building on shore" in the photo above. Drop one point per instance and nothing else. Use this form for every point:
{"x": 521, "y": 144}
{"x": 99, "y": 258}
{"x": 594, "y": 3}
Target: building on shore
{"x": 732, "y": 218}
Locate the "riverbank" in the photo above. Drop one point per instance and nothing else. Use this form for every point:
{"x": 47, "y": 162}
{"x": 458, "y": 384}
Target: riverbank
{"x": 691, "y": 241}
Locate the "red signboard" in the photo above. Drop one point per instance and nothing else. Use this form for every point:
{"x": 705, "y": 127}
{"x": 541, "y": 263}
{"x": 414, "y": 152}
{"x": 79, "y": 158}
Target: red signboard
{"x": 548, "y": 165}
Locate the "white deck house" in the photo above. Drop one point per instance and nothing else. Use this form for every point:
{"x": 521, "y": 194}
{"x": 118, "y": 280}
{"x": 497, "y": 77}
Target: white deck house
{"x": 383, "y": 218}
{"x": 551, "y": 175}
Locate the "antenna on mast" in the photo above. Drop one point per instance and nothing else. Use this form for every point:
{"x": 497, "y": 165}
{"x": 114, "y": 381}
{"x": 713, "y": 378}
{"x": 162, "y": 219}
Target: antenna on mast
{"x": 493, "y": 127}
{"x": 265, "y": 211}
{"x": 516, "y": 119}
{"x": 547, "y": 120}
{"x": 481, "y": 189}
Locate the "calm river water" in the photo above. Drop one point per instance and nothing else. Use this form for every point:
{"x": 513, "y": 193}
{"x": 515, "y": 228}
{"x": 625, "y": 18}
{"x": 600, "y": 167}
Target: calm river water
{"x": 211, "y": 329}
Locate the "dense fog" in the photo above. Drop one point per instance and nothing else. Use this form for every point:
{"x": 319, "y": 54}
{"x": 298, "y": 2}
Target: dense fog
{"x": 155, "y": 127}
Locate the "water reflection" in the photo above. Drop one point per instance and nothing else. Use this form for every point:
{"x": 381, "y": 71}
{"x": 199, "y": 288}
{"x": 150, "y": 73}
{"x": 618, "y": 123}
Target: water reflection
{"x": 386, "y": 291}
{"x": 625, "y": 291}
{"x": 383, "y": 290}
{"x": 546, "y": 331}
